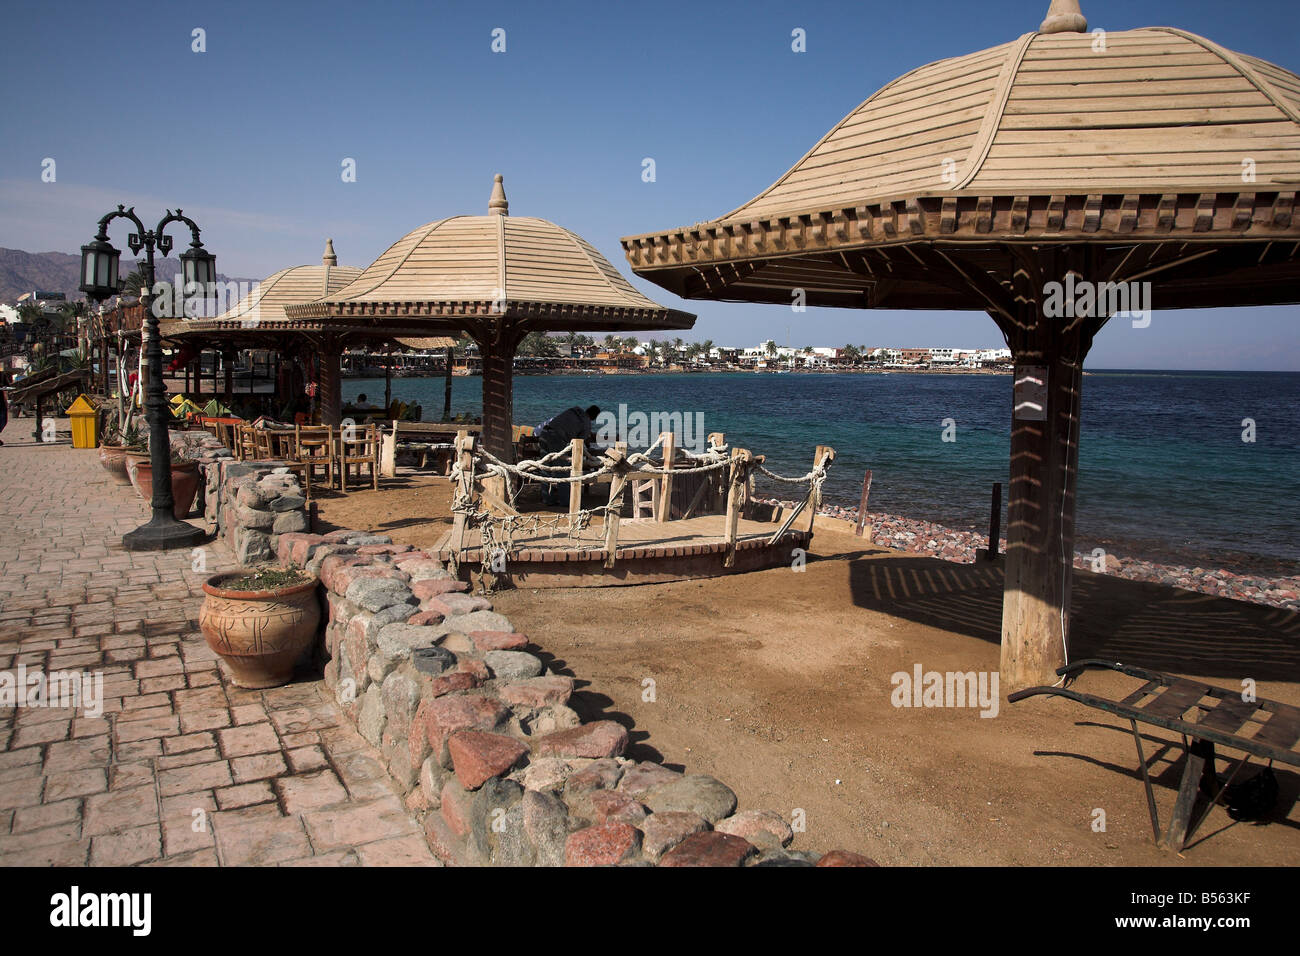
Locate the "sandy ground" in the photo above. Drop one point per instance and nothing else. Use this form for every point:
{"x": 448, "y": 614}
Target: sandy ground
{"x": 779, "y": 683}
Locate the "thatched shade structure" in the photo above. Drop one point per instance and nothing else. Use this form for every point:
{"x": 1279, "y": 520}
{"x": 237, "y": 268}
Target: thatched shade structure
{"x": 1144, "y": 156}
{"x": 259, "y": 320}
{"x": 495, "y": 278}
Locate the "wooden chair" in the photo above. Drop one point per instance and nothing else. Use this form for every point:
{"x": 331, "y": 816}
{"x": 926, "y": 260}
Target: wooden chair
{"x": 526, "y": 444}
{"x": 314, "y": 448}
{"x": 246, "y": 445}
{"x": 361, "y": 450}
{"x": 226, "y": 435}
{"x": 264, "y": 450}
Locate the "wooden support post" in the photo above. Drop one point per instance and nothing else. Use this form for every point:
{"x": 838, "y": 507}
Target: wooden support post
{"x": 498, "y": 399}
{"x": 331, "y": 385}
{"x": 822, "y": 454}
{"x": 388, "y": 381}
{"x": 666, "y": 487}
{"x": 862, "y": 505}
{"x": 1040, "y": 526}
{"x": 464, "y": 458}
{"x": 1188, "y": 789}
{"x": 740, "y": 462}
{"x": 991, "y": 553}
{"x": 576, "y": 449}
{"x": 614, "y": 515}
{"x": 449, "y": 357}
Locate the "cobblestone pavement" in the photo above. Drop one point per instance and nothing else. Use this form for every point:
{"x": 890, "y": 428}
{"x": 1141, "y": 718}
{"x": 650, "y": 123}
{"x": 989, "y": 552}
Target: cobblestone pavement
{"x": 181, "y": 767}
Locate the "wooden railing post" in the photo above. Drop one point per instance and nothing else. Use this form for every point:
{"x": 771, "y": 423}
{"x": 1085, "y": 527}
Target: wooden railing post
{"x": 666, "y": 487}
{"x": 862, "y": 504}
{"x": 823, "y": 454}
{"x": 616, "y": 485}
{"x": 576, "y": 447}
{"x": 739, "y": 474}
{"x": 465, "y": 459}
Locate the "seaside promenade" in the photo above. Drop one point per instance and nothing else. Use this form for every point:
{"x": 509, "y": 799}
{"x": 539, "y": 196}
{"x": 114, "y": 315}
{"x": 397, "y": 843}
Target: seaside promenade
{"x": 180, "y": 767}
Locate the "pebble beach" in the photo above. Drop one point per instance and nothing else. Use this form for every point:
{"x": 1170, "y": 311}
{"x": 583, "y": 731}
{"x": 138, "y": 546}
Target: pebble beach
{"x": 1268, "y": 585}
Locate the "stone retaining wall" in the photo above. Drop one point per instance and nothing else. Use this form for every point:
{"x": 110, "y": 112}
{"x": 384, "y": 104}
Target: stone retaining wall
{"x": 251, "y": 504}
{"x": 495, "y": 764}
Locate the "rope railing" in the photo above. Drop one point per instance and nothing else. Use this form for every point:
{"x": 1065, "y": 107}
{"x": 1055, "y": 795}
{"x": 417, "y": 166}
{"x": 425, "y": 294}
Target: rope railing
{"x": 487, "y": 490}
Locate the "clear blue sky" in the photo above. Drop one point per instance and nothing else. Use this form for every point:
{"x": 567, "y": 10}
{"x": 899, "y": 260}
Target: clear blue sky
{"x": 249, "y": 136}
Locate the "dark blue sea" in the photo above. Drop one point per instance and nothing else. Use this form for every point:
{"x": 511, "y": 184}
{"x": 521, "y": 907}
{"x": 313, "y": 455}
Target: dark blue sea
{"x": 1163, "y": 464}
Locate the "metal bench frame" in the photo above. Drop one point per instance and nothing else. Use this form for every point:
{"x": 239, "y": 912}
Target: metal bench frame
{"x": 1170, "y": 698}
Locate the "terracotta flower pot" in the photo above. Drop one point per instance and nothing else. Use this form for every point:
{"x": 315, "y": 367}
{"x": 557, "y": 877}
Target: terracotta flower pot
{"x": 133, "y": 459}
{"x": 259, "y": 634}
{"x": 185, "y": 484}
{"x": 113, "y": 458}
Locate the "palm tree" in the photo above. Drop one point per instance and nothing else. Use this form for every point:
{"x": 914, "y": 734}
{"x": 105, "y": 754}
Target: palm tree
{"x": 133, "y": 284}
{"x": 30, "y": 313}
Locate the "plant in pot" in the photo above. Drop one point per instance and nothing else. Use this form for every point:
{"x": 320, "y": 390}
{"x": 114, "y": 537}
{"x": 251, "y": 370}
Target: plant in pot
{"x": 112, "y": 450}
{"x": 185, "y": 482}
{"x": 135, "y": 450}
{"x": 260, "y": 622}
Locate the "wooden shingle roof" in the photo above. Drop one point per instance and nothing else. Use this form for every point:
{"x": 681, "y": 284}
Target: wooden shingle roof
{"x": 1150, "y": 136}
{"x": 497, "y": 264}
{"x": 266, "y": 302}
{"x": 1156, "y": 110}
{"x": 259, "y": 317}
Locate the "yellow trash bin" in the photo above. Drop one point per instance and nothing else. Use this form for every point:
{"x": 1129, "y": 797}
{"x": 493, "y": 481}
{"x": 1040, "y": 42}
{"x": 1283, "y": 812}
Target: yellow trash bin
{"x": 85, "y": 423}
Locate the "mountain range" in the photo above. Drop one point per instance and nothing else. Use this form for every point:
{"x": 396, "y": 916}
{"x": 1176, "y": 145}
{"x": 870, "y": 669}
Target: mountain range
{"x": 61, "y": 272}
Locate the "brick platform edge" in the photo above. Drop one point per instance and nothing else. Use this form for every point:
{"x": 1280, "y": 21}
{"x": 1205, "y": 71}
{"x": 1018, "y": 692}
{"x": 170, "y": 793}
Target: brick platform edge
{"x": 494, "y": 764}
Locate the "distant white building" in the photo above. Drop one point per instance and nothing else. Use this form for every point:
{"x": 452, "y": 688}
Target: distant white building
{"x": 820, "y": 357}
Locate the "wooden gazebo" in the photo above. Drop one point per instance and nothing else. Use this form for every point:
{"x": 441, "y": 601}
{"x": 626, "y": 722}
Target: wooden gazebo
{"x": 1151, "y": 162}
{"x": 495, "y": 278}
{"x": 258, "y": 321}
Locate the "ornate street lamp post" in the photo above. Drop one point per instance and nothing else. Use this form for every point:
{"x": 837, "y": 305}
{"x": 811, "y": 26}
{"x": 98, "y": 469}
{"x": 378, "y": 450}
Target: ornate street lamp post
{"x": 99, "y": 280}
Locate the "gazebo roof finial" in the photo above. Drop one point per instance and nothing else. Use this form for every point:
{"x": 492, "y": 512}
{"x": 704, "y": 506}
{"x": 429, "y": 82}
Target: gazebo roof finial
{"x": 497, "y": 205}
{"x": 1064, "y": 16}
{"x": 329, "y": 258}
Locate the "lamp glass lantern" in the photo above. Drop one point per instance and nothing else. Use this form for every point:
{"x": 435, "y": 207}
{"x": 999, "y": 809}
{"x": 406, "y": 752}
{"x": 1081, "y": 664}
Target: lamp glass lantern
{"x": 99, "y": 269}
{"x": 199, "y": 268}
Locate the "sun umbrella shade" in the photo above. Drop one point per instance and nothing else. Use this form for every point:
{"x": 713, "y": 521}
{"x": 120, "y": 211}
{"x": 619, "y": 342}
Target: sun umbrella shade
{"x": 495, "y": 278}
{"x": 1155, "y": 137}
{"x": 456, "y": 273}
{"x": 1151, "y": 163}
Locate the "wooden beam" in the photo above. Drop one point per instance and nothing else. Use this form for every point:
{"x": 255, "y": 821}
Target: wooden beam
{"x": 577, "y": 447}
{"x": 740, "y": 463}
{"x": 465, "y": 459}
{"x": 666, "y": 485}
{"x": 1043, "y": 474}
{"x": 862, "y": 504}
{"x": 613, "y": 516}
{"x": 498, "y": 357}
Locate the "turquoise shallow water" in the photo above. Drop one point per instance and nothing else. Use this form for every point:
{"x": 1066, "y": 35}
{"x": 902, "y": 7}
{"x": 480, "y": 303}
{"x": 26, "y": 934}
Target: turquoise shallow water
{"x": 1162, "y": 459}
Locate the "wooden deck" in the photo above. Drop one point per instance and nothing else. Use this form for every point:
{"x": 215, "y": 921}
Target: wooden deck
{"x": 648, "y": 552}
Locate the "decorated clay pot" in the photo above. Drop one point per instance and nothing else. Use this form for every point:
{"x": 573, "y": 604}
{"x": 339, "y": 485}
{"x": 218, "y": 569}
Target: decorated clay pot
{"x": 185, "y": 484}
{"x": 113, "y": 458}
{"x": 133, "y": 460}
{"x": 259, "y": 634}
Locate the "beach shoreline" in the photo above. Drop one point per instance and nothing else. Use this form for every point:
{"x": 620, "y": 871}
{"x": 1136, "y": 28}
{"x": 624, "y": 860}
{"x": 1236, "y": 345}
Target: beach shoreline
{"x": 1235, "y": 575}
